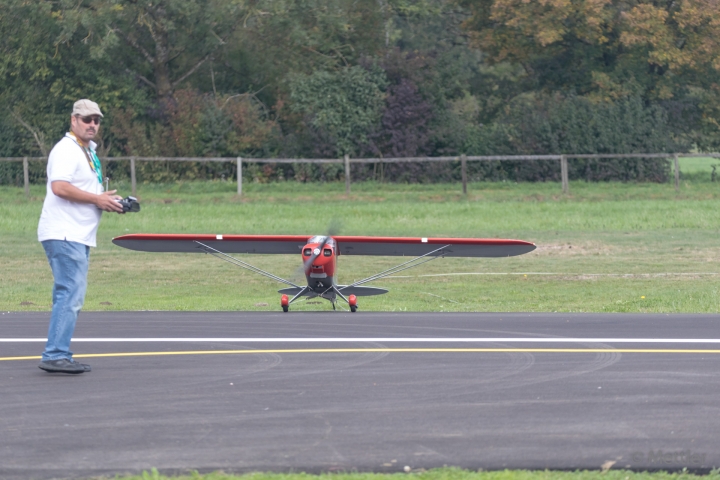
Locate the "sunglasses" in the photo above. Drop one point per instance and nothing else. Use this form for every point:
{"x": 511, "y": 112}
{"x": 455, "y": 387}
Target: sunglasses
{"x": 88, "y": 120}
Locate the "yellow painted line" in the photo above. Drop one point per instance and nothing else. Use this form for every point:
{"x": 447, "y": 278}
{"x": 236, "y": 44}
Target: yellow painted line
{"x": 382, "y": 350}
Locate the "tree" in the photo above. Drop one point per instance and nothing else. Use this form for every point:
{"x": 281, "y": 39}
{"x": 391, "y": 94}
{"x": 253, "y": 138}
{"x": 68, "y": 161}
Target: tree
{"x": 346, "y": 104}
{"x": 598, "y": 45}
{"x": 40, "y": 80}
{"x": 403, "y": 130}
{"x": 169, "y": 40}
{"x": 665, "y": 50}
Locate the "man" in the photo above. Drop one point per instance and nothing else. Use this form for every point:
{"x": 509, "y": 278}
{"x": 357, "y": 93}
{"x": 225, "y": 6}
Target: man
{"x": 70, "y": 217}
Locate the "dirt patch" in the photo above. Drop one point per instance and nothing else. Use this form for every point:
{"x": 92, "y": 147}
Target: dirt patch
{"x": 639, "y": 276}
{"x": 591, "y": 278}
{"x": 578, "y": 249}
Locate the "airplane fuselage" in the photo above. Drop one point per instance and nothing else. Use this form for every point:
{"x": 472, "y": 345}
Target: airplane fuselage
{"x": 320, "y": 261}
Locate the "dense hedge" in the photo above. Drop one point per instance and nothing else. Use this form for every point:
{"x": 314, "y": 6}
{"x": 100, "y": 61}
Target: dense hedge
{"x": 557, "y": 125}
{"x": 529, "y": 126}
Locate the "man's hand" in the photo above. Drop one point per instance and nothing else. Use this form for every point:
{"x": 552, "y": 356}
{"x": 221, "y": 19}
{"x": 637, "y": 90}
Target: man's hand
{"x": 106, "y": 201}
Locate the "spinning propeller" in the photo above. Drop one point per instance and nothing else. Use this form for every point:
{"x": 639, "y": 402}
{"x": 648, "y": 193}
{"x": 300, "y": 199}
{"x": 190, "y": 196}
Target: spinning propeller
{"x": 333, "y": 229}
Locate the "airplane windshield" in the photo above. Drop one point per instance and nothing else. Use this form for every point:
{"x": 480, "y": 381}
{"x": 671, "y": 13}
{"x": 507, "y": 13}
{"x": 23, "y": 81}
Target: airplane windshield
{"x": 307, "y": 252}
{"x": 327, "y": 252}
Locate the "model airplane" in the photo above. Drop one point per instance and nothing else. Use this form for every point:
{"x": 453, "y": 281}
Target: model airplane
{"x": 319, "y": 254}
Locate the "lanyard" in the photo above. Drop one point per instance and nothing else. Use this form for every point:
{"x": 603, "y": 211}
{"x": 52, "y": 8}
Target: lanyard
{"x": 92, "y": 159}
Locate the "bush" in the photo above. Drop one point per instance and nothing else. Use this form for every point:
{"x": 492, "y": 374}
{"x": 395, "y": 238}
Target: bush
{"x": 192, "y": 125}
{"x": 556, "y": 125}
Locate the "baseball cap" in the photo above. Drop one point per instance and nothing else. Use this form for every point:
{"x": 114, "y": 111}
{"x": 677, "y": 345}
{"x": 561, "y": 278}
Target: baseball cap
{"x": 86, "y": 108}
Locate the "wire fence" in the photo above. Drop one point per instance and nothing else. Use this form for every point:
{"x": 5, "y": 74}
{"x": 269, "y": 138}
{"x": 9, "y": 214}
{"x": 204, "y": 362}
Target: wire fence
{"x": 347, "y": 162}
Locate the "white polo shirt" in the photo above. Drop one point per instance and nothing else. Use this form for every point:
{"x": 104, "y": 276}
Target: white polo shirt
{"x": 62, "y": 219}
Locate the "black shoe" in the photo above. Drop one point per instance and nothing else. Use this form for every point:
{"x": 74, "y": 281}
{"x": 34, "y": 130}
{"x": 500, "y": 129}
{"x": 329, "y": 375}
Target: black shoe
{"x": 64, "y": 365}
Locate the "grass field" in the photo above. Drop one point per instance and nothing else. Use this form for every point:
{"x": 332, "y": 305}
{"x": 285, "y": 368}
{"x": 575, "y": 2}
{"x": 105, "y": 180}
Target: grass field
{"x": 699, "y": 169}
{"x": 608, "y": 247}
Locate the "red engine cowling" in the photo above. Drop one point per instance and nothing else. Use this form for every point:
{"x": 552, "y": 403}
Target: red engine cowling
{"x": 320, "y": 258}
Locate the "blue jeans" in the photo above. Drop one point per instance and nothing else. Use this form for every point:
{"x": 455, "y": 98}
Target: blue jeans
{"x": 69, "y": 263}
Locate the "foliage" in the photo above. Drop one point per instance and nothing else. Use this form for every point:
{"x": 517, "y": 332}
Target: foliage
{"x": 555, "y": 124}
{"x": 160, "y": 43}
{"x": 40, "y": 79}
{"x": 195, "y": 125}
{"x": 324, "y": 78}
{"x": 609, "y": 49}
{"x": 404, "y": 129}
{"x": 344, "y": 105}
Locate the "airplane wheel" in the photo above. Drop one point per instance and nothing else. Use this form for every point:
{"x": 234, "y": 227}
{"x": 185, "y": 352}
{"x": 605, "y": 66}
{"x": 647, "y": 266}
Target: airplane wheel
{"x": 353, "y": 308}
{"x": 285, "y": 303}
{"x": 352, "y": 300}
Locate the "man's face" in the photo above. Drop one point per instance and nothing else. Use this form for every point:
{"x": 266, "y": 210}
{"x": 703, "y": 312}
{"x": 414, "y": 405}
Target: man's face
{"x": 85, "y": 128}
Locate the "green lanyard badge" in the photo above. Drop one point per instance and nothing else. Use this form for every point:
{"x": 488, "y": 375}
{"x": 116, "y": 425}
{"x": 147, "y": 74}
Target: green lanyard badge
{"x": 95, "y": 164}
{"x": 93, "y": 161}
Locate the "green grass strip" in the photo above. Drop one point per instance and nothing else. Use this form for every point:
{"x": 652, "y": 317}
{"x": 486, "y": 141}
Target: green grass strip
{"x": 609, "y": 247}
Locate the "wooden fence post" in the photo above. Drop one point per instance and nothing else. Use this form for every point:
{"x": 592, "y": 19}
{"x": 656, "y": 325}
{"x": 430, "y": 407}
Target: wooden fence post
{"x": 239, "y": 176}
{"x": 133, "y": 180}
{"x": 347, "y": 175}
{"x": 564, "y": 174}
{"x": 26, "y": 176}
{"x": 677, "y": 172}
{"x": 463, "y": 170}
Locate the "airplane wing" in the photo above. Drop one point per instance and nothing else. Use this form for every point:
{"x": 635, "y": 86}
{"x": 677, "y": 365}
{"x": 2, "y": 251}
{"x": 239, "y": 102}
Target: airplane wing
{"x": 148, "y": 242}
{"x": 346, "y": 245}
{"x": 414, "y": 247}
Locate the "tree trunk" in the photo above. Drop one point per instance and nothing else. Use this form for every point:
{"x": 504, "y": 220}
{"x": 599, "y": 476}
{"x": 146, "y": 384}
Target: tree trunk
{"x": 161, "y": 66}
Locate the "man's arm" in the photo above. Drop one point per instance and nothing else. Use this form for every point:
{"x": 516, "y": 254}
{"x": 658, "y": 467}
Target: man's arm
{"x": 106, "y": 201}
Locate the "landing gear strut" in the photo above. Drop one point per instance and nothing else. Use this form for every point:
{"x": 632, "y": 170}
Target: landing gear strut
{"x": 351, "y": 300}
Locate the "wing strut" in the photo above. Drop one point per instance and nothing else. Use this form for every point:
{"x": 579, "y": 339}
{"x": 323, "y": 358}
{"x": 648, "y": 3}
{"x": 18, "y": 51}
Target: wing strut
{"x": 398, "y": 268}
{"x": 241, "y": 264}
{"x": 341, "y": 295}
{"x": 305, "y": 289}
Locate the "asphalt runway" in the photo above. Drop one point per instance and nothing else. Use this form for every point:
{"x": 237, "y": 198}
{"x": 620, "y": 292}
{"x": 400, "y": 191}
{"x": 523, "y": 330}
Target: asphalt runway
{"x": 327, "y": 391}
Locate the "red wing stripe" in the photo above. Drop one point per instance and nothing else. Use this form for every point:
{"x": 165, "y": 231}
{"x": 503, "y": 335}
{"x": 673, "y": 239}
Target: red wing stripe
{"x": 305, "y": 238}
{"x": 432, "y": 241}
{"x": 204, "y": 237}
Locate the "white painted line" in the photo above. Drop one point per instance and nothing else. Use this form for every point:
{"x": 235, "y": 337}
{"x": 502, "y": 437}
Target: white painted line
{"x": 378, "y": 339}
{"x": 219, "y": 237}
